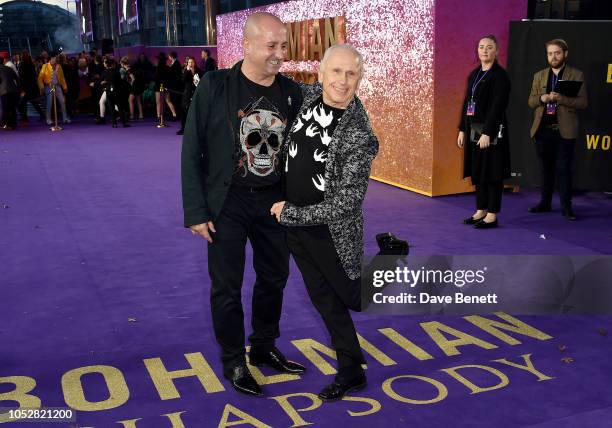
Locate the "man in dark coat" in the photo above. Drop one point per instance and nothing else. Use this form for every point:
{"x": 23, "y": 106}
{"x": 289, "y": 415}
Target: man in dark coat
{"x": 329, "y": 155}
{"x": 175, "y": 82}
{"x": 207, "y": 63}
{"x": 9, "y": 96}
{"x": 230, "y": 169}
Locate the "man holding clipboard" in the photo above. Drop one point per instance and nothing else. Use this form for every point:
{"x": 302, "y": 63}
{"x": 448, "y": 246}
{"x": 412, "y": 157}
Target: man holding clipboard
{"x": 556, "y": 93}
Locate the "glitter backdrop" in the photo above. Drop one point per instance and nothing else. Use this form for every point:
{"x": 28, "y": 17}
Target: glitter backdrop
{"x": 395, "y": 39}
{"x": 398, "y": 43}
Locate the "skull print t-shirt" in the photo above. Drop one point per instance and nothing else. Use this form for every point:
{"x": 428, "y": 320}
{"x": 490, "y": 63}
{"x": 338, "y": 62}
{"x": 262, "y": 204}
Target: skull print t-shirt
{"x": 307, "y": 153}
{"x": 261, "y": 131}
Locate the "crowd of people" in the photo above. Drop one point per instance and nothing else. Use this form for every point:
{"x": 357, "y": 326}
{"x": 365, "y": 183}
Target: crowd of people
{"x": 60, "y": 87}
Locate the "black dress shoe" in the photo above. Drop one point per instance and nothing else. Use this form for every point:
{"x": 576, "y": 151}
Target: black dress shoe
{"x": 569, "y": 214}
{"x": 472, "y": 220}
{"x": 390, "y": 245}
{"x": 484, "y": 225}
{"x": 540, "y": 208}
{"x": 243, "y": 381}
{"x": 179, "y": 132}
{"x": 338, "y": 389}
{"x": 276, "y": 360}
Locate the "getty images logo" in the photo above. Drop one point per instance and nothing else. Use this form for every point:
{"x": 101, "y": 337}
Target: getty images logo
{"x": 413, "y": 277}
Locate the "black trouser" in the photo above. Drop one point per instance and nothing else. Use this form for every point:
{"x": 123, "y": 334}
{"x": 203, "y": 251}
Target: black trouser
{"x": 9, "y": 109}
{"x": 556, "y": 155}
{"x": 23, "y": 107}
{"x": 246, "y": 215}
{"x": 489, "y": 196}
{"x": 184, "y": 111}
{"x": 331, "y": 291}
{"x": 118, "y": 103}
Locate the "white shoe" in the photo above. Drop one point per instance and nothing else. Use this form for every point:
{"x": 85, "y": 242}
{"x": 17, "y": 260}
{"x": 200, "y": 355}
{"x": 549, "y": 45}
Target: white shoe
{"x": 49, "y": 123}
{"x": 67, "y": 121}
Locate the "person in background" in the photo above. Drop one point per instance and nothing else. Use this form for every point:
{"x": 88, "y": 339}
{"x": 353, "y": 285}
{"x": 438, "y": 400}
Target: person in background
{"x": 17, "y": 61}
{"x": 207, "y": 63}
{"x": 483, "y": 134}
{"x": 175, "y": 82}
{"x": 162, "y": 79}
{"x": 85, "y": 100}
{"x": 136, "y": 88}
{"x": 29, "y": 88}
{"x": 9, "y": 94}
{"x": 51, "y": 78}
{"x": 191, "y": 78}
{"x": 555, "y": 127}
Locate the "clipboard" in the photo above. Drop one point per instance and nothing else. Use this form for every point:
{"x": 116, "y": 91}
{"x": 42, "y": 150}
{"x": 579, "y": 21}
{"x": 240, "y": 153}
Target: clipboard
{"x": 569, "y": 88}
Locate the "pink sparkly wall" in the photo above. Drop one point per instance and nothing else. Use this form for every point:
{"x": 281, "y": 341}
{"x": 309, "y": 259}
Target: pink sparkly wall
{"x": 397, "y": 40}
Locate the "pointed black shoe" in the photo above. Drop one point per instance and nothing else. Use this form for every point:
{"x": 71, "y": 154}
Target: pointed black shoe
{"x": 569, "y": 214}
{"x": 243, "y": 381}
{"x": 338, "y": 389}
{"x": 484, "y": 225}
{"x": 390, "y": 245}
{"x": 472, "y": 220}
{"x": 276, "y": 360}
{"x": 540, "y": 208}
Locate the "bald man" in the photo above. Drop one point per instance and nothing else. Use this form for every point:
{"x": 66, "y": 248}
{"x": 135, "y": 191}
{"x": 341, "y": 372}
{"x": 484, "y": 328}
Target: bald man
{"x": 235, "y": 129}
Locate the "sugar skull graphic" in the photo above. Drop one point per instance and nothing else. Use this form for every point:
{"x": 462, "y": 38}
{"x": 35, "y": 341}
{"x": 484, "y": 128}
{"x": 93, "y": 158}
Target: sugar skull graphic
{"x": 261, "y": 137}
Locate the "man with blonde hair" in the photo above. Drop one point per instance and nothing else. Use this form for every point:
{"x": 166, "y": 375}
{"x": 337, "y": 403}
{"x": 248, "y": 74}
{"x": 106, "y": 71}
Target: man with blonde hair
{"x": 329, "y": 155}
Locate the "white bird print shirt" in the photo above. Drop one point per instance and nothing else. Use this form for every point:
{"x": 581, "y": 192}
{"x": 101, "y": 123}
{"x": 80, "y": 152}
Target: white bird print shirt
{"x": 310, "y": 138}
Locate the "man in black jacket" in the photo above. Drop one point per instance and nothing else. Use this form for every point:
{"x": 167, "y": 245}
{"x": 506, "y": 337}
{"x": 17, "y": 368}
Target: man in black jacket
{"x": 207, "y": 63}
{"x": 9, "y": 95}
{"x": 235, "y": 129}
{"x": 175, "y": 82}
{"x": 330, "y": 150}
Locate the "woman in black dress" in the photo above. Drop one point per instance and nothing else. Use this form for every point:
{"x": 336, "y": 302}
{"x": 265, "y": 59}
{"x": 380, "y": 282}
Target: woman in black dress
{"x": 191, "y": 78}
{"x": 483, "y": 134}
{"x": 163, "y": 78}
{"x": 136, "y": 87}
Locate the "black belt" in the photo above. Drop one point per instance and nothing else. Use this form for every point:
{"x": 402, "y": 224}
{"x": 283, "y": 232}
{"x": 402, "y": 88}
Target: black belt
{"x": 255, "y": 189}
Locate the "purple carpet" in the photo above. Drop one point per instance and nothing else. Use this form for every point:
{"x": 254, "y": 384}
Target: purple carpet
{"x": 102, "y": 290}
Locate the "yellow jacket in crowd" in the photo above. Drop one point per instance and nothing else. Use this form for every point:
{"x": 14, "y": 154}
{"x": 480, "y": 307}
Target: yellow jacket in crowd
{"x": 46, "y": 76}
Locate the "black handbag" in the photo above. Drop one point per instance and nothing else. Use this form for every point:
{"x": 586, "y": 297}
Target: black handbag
{"x": 476, "y": 132}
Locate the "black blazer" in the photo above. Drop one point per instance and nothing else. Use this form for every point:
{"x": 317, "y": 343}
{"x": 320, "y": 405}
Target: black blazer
{"x": 210, "y": 144}
{"x": 27, "y": 75}
{"x": 9, "y": 81}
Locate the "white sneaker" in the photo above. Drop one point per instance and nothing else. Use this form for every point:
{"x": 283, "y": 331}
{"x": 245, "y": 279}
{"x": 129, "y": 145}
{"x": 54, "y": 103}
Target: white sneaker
{"x": 49, "y": 123}
{"x": 67, "y": 121}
